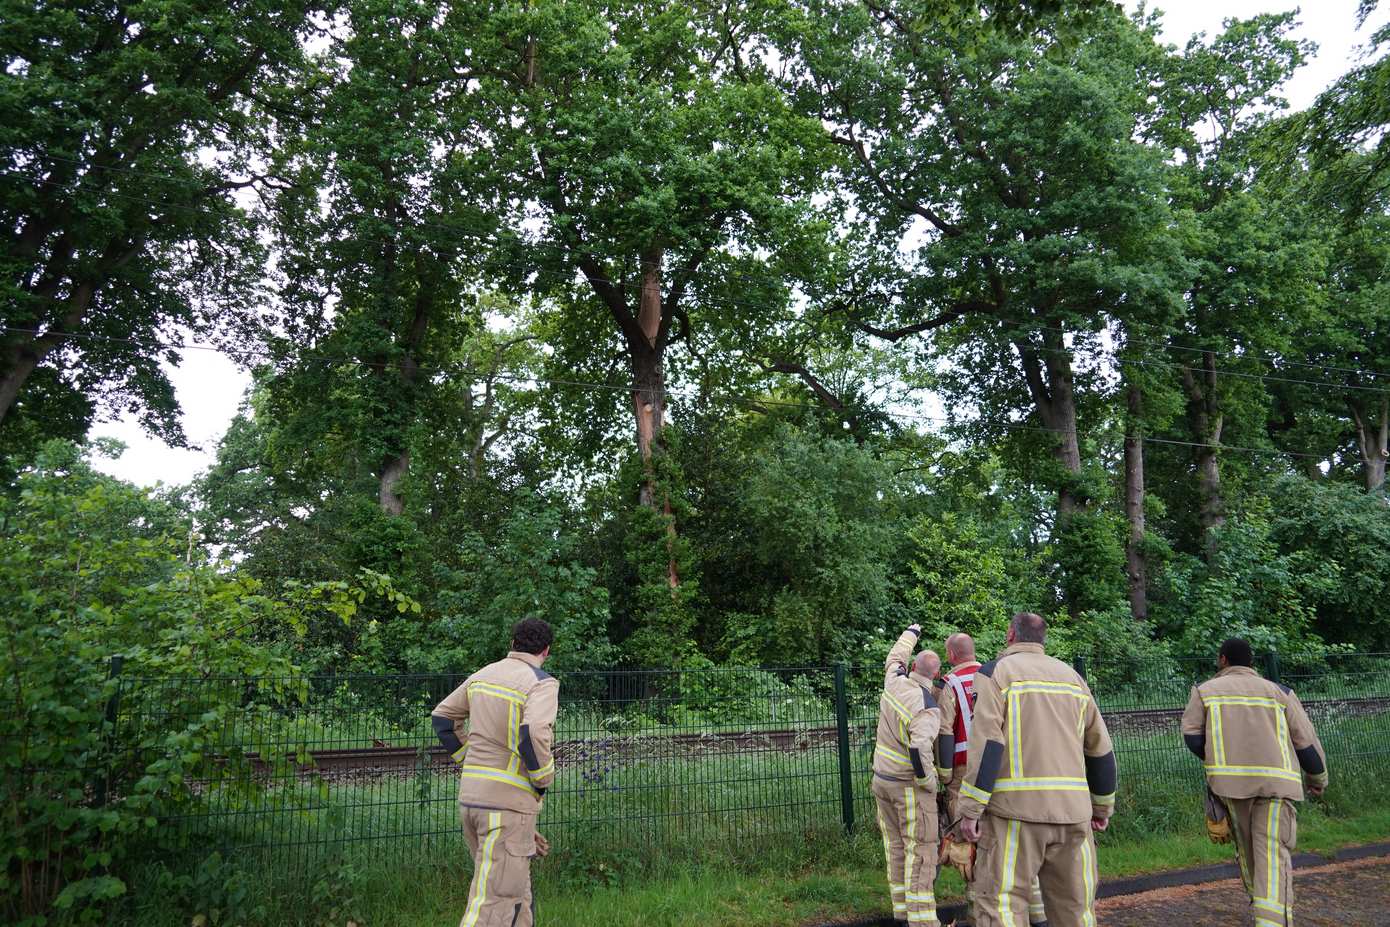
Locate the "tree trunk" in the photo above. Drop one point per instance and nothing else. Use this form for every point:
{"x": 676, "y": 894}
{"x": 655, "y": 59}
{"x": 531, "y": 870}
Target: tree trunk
{"x": 23, "y": 357}
{"x": 1050, "y": 384}
{"x": 389, "y": 496}
{"x": 646, "y": 347}
{"x": 1135, "y": 566}
{"x": 1206, "y": 421}
{"x": 1373, "y": 440}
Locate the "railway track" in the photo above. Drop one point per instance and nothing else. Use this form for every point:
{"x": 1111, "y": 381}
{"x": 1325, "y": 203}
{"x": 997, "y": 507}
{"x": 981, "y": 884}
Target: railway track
{"x": 382, "y": 760}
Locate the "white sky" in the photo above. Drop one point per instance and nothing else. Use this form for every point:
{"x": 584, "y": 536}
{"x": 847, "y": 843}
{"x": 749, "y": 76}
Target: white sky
{"x": 210, "y": 386}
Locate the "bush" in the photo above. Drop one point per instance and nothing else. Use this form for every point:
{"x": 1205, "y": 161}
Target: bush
{"x": 96, "y": 569}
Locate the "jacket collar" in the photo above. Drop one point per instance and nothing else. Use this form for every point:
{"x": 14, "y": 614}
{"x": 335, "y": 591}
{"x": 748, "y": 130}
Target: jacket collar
{"x": 1237, "y": 671}
{"x": 967, "y": 666}
{"x": 530, "y": 659}
{"x": 1022, "y": 647}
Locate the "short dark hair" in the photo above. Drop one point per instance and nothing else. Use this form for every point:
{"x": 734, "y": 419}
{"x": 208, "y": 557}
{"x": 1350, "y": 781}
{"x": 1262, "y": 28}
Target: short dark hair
{"x": 1237, "y": 652}
{"x": 531, "y": 635}
{"x": 1029, "y": 628}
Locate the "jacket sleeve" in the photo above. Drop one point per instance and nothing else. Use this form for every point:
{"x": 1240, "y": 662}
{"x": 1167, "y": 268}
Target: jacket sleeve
{"x": 900, "y": 653}
{"x": 1194, "y": 725}
{"x": 449, "y": 718}
{"x": 946, "y": 738}
{"x": 921, "y": 736}
{"x": 986, "y": 752}
{"x": 1101, "y": 772}
{"x": 1306, "y": 745}
{"x": 537, "y": 733}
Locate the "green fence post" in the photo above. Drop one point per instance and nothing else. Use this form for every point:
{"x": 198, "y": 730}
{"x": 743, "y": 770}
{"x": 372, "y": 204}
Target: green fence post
{"x": 1078, "y": 663}
{"x": 113, "y": 705}
{"x": 1272, "y": 667}
{"x": 842, "y": 739}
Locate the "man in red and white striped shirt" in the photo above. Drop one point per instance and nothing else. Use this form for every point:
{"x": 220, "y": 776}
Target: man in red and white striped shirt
{"x": 957, "y": 702}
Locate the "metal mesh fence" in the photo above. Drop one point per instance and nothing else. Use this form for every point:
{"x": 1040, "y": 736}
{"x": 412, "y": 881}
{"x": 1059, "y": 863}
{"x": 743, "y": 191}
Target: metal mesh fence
{"x": 648, "y": 762}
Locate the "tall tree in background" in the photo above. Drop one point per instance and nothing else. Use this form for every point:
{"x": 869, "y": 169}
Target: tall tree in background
{"x": 1255, "y": 260}
{"x": 658, "y": 157}
{"x": 1009, "y": 203}
{"x": 382, "y": 238}
{"x": 120, "y": 230}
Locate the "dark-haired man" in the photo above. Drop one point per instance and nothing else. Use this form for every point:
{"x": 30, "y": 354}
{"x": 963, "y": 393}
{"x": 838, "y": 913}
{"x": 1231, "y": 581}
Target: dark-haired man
{"x": 1259, "y": 750}
{"x": 1039, "y": 778}
{"x": 505, "y": 767}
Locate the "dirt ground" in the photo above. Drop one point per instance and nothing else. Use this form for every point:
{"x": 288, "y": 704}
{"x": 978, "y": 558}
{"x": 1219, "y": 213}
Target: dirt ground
{"x": 1352, "y": 894}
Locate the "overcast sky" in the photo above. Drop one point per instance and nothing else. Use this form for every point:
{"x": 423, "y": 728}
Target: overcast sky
{"x": 210, "y": 386}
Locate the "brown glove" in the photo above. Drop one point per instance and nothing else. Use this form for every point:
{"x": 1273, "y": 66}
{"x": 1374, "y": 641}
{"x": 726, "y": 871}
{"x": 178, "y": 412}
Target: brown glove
{"x": 958, "y": 854}
{"x": 1218, "y": 821}
{"x": 542, "y": 845}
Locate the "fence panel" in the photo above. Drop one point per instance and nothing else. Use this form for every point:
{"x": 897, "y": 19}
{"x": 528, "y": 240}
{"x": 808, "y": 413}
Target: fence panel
{"x": 648, "y": 762}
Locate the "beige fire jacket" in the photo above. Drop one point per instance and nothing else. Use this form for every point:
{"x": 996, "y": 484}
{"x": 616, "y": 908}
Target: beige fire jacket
{"x": 505, "y": 755}
{"x": 1253, "y": 737}
{"x": 1039, "y": 750}
{"x": 908, "y": 720}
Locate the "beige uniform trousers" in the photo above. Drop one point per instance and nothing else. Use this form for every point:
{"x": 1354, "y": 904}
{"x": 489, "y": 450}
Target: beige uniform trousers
{"x": 907, "y": 820}
{"x": 1062, "y": 857}
{"x": 1264, "y": 831}
{"x": 503, "y": 843}
{"x": 1036, "y": 913}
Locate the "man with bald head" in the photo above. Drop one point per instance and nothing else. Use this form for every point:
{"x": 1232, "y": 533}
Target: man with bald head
{"x": 1039, "y": 779}
{"x": 904, "y": 785}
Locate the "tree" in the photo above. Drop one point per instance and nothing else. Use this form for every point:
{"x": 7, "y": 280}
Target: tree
{"x": 1010, "y": 213}
{"x": 127, "y": 130}
{"x": 659, "y": 159}
{"x": 1254, "y": 254}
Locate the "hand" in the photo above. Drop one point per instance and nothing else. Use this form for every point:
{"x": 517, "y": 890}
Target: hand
{"x": 915, "y": 627}
{"x": 1316, "y": 790}
{"x": 970, "y": 829}
{"x": 542, "y": 845}
{"x": 1099, "y": 824}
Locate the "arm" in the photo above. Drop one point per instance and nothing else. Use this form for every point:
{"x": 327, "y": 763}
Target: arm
{"x": 986, "y": 752}
{"x": 537, "y": 733}
{"x": 901, "y": 652}
{"x": 448, "y": 719}
{"x": 1306, "y": 745}
{"x": 1194, "y": 725}
{"x": 946, "y": 740}
{"x": 921, "y": 735}
{"x": 1101, "y": 772}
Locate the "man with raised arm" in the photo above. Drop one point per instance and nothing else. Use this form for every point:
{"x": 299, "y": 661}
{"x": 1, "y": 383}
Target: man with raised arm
{"x": 1259, "y": 750}
{"x": 499, "y": 727}
{"x": 1039, "y": 778}
{"x": 904, "y": 785}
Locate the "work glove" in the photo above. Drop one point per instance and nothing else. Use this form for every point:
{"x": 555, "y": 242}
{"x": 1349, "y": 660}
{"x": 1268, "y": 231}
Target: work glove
{"x": 458, "y": 755}
{"x": 542, "y": 845}
{"x": 1218, "y": 821}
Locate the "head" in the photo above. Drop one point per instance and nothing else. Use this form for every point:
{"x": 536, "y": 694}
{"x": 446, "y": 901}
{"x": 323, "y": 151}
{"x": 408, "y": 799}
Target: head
{"x": 960, "y": 648}
{"x": 1234, "y": 652}
{"x": 927, "y": 665}
{"x": 1027, "y": 628}
{"x": 533, "y": 636}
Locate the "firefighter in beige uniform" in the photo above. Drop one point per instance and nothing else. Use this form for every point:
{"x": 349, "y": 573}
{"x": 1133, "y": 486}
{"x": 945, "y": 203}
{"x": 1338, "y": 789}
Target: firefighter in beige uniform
{"x": 957, "y": 717}
{"x": 1039, "y": 778}
{"x": 904, "y": 784}
{"x": 505, "y": 767}
{"x": 1259, "y": 748}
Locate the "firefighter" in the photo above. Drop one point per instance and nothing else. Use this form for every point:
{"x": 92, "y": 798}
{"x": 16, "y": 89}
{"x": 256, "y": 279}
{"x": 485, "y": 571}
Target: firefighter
{"x": 904, "y": 784}
{"x": 505, "y": 766}
{"x": 1039, "y": 778}
{"x": 957, "y": 714}
{"x": 1249, "y": 733}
